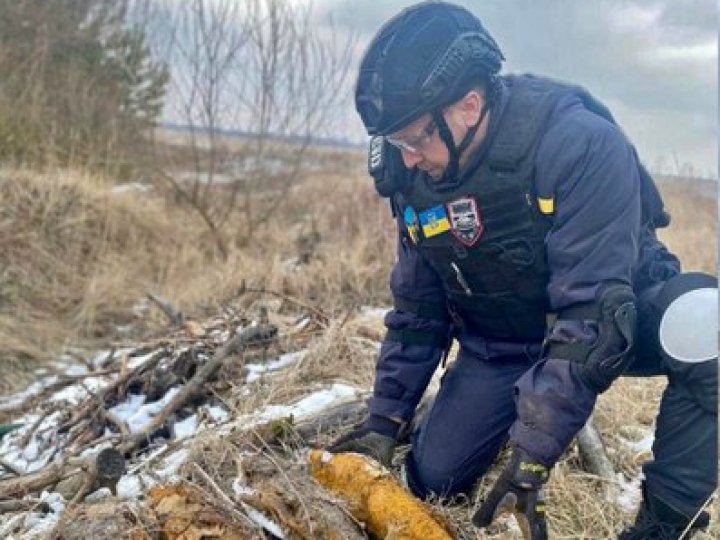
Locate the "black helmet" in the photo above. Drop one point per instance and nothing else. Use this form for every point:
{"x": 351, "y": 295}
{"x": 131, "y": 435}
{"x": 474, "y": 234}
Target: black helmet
{"x": 427, "y": 56}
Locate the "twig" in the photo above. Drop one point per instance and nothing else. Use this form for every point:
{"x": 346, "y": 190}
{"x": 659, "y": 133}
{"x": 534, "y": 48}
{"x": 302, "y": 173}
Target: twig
{"x": 175, "y": 316}
{"x": 593, "y": 453}
{"x": 23, "y": 505}
{"x": 319, "y": 314}
{"x": 228, "y": 502}
{"x": 25, "y": 439}
{"x": 195, "y": 384}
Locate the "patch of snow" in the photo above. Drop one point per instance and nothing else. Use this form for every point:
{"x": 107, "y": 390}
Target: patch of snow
{"x": 172, "y": 464}
{"x": 39, "y": 524}
{"x": 185, "y": 428}
{"x": 30, "y": 392}
{"x": 263, "y": 521}
{"x": 39, "y": 448}
{"x": 99, "y": 495}
{"x": 136, "y": 413}
{"x": 308, "y": 405}
{"x": 75, "y": 369}
{"x": 254, "y": 371}
{"x": 218, "y": 414}
{"x": 375, "y": 312}
{"x": 644, "y": 445}
{"x": 129, "y": 487}
{"x": 130, "y": 187}
{"x": 76, "y": 393}
{"x": 630, "y": 493}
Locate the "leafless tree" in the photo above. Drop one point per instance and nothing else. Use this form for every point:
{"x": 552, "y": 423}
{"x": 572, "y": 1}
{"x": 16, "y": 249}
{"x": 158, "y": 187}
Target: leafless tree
{"x": 260, "y": 68}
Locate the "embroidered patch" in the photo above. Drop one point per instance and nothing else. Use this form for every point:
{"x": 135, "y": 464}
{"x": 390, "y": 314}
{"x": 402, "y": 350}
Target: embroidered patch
{"x": 547, "y": 206}
{"x": 434, "y": 221}
{"x": 411, "y": 223}
{"x": 465, "y": 223}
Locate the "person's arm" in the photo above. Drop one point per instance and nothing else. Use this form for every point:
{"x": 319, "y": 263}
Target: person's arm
{"x": 417, "y": 335}
{"x": 590, "y": 170}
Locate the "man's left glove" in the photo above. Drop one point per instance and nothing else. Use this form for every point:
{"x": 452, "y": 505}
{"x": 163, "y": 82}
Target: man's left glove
{"x": 518, "y": 490}
{"x": 376, "y": 437}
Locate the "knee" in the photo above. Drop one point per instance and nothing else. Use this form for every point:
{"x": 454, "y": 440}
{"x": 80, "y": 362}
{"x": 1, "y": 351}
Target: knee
{"x": 699, "y": 382}
{"x": 444, "y": 479}
{"x": 424, "y": 480}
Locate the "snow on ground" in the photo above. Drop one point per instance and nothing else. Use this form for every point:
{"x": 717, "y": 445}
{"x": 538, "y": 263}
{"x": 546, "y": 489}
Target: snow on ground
{"x": 374, "y": 312}
{"x": 255, "y": 371}
{"x": 135, "y": 411}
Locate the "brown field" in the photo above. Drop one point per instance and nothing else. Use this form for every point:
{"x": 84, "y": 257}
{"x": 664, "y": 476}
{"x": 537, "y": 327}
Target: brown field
{"x": 77, "y": 259}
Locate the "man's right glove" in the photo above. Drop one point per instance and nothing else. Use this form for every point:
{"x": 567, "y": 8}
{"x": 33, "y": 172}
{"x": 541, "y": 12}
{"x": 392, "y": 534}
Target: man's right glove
{"x": 518, "y": 490}
{"x": 377, "y": 438}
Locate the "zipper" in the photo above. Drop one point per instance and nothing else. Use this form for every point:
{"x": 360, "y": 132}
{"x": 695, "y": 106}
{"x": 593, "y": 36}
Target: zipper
{"x": 461, "y": 279}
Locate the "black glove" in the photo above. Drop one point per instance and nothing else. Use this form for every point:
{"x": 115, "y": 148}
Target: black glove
{"x": 518, "y": 490}
{"x": 376, "y": 437}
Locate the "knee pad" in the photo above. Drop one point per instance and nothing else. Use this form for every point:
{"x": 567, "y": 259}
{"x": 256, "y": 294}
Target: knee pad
{"x": 686, "y": 313}
{"x": 688, "y": 325}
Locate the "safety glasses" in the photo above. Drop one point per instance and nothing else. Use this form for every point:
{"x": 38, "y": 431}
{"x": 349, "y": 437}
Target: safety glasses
{"x": 414, "y": 144}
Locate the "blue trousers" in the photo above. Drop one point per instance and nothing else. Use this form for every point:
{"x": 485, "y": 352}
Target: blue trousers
{"x": 469, "y": 421}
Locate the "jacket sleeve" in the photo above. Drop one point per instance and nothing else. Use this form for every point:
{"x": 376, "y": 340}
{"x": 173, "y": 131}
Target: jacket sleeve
{"x": 417, "y": 336}
{"x": 586, "y": 164}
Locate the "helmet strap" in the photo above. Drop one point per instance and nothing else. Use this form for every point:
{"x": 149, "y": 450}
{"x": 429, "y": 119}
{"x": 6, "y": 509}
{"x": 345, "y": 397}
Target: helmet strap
{"x": 456, "y": 151}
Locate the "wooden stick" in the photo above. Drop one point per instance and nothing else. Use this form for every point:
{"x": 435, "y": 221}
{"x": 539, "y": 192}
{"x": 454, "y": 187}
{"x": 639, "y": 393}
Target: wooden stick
{"x": 23, "y": 505}
{"x": 195, "y": 384}
{"x": 175, "y": 317}
{"x": 319, "y": 314}
{"x": 105, "y": 468}
{"x": 592, "y": 451}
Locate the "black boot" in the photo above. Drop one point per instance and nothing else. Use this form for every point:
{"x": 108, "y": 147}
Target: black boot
{"x": 657, "y": 520}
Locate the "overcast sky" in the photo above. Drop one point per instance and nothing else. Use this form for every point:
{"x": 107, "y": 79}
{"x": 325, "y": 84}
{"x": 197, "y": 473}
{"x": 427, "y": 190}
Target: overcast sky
{"x": 653, "y": 62}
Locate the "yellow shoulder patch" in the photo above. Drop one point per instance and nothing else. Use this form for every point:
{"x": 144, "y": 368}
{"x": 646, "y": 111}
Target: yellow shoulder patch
{"x": 547, "y": 206}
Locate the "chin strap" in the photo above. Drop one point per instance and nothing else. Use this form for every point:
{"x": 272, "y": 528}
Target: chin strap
{"x": 451, "y": 171}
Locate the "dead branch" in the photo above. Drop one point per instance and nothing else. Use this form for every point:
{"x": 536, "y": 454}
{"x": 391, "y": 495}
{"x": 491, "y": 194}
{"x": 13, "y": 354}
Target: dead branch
{"x": 24, "y": 505}
{"x": 104, "y": 469}
{"x": 343, "y": 414}
{"x": 176, "y": 317}
{"x": 315, "y": 311}
{"x": 86, "y": 409}
{"x": 592, "y": 451}
{"x": 237, "y": 344}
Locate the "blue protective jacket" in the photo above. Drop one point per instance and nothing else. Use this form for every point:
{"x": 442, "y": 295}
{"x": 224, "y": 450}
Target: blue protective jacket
{"x": 598, "y": 235}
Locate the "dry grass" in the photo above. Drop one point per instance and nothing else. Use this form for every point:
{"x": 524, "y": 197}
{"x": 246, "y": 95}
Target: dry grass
{"x": 76, "y": 259}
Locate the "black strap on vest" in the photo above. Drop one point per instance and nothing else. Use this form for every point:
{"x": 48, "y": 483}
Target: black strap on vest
{"x": 426, "y": 310}
{"x": 417, "y": 337}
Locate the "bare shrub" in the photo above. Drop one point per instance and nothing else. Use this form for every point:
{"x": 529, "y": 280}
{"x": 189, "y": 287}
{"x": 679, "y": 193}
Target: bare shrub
{"x": 260, "y": 69}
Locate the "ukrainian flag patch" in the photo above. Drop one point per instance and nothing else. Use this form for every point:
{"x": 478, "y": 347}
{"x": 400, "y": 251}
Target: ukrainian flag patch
{"x": 434, "y": 221}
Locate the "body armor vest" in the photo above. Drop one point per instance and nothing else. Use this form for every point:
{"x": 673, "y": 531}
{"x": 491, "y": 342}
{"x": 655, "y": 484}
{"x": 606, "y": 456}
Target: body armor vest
{"x": 486, "y": 236}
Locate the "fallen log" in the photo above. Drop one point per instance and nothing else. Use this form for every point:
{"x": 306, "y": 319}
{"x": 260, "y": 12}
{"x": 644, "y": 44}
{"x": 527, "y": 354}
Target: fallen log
{"x": 103, "y": 469}
{"x": 23, "y": 505}
{"x": 592, "y": 452}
